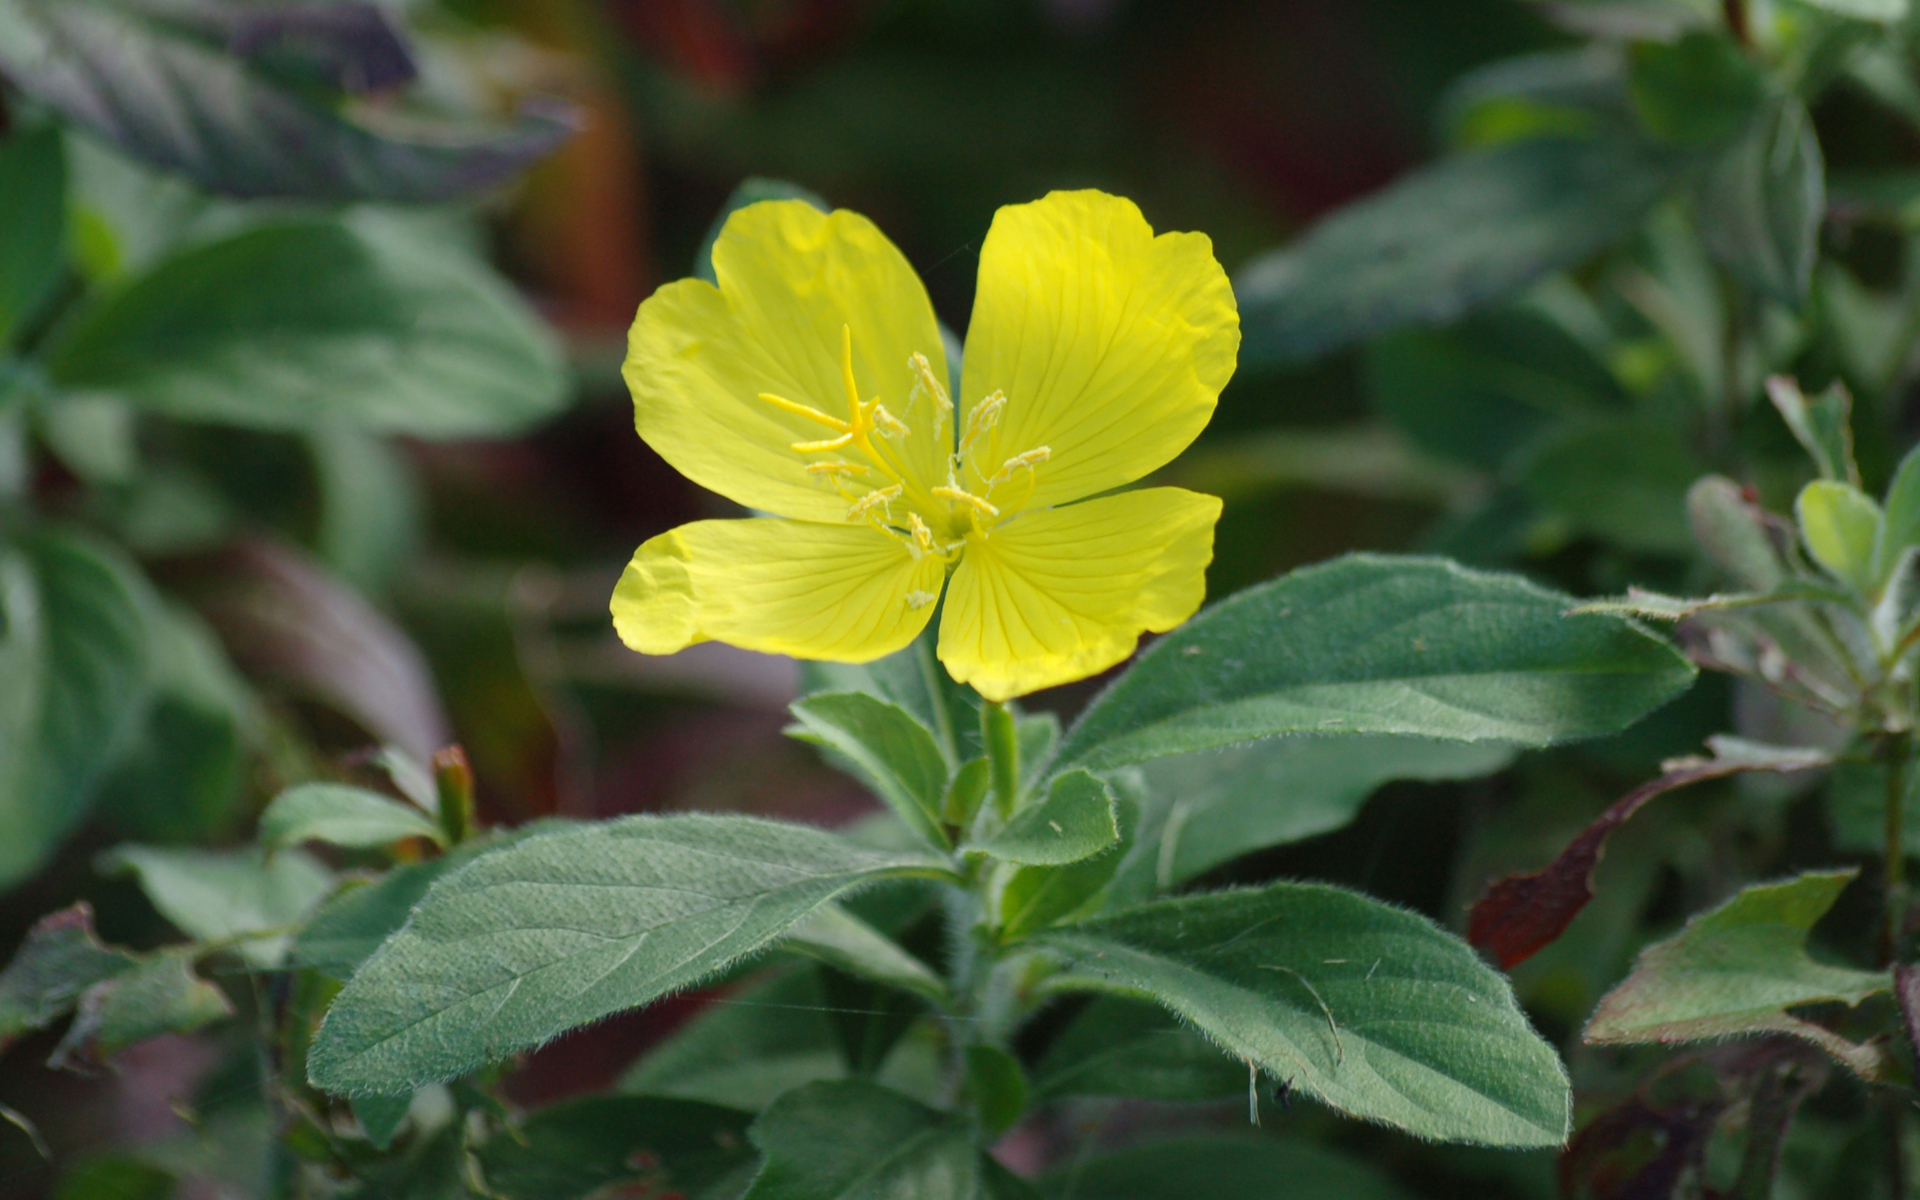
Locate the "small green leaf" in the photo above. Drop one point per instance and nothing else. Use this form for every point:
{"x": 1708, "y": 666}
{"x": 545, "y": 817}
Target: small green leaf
{"x": 1699, "y": 90}
{"x": 1446, "y": 240}
{"x": 118, "y": 1179}
{"x": 1733, "y": 532}
{"x": 160, "y": 995}
{"x": 891, "y": 751}
{"x": 1737, "y": 970}
{"x": 1375, "y": 1010}
{"x": 838, "y": 938}
{"x": 997, "y": 1086}
{"x": 568, "y": 927}
{"x": 1233, "y": 802}
{"x": 221, "y": 895}
{"x": 1625, "y": 481}
{"x": 1035, "y": 897}
{"x": 1121, "y": 1047}
{"x": 301, "y": 324}
{"x": 593, "y": 1146}
{"x": 1378, "y": 644}
{"x": 380, "y": 1116}
{"x": 1762, "y": 201}
{"x": 74, "y": 658}
{"x": 914, "y": 680}
{"x": 33, "y": 222}
{"x": 342, "y": 816}
{"x": 964, "y": 794}
{"x": 60, "y": 959}
{"x": 1900, "y": 528}
{"x": 1822, "y": 424}
{"x": 1075, "y": 820}
{"x": 1245, "y": 1168}
{"x": 854, "y": 1140}
{"x": 1840, "y": 525}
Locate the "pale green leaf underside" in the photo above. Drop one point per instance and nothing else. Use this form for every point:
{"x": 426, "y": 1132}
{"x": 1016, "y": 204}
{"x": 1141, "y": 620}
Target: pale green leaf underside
{"x": 1074, "y": 820}
{"x": 1378, "y": 644}
{"x": 569, "y": 927}
{"x": 1428, "y": 1037}
{"x": 342, "y": 816}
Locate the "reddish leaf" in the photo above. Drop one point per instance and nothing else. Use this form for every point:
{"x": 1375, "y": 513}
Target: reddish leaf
{"x": 1519, "y": 915}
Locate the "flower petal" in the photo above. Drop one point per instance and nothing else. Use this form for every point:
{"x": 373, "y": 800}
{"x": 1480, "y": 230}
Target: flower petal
{"x": 1110, "y": 344}
{"x": 792, "y": 280}
{"x": 848, "y": 593}
{"x": 1060, "y": 594}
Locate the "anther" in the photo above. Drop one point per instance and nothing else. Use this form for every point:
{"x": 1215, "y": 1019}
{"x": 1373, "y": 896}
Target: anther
{"x": 836, "y": 468}
{"x": 917, "y": 599}
{"x": 985, "y": 416}
{"x": 942, "y": 404}
{"x": 878, "y": 498}
{"x": 888, "y": 424}
{"x": 960, "y": 497}
{"x": 1026, "y": 460}
{"x": 802, "y": 410}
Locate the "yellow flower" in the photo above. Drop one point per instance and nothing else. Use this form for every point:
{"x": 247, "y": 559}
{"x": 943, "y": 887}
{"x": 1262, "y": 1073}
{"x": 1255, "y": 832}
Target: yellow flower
{"x": 812, "y": 383}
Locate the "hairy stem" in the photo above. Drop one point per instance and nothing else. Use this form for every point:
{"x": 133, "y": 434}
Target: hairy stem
{"x": 1003, "y": 755}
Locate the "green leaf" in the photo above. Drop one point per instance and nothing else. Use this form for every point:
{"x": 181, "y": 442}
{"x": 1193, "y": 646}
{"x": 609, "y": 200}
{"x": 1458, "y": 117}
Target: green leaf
{"x": 118, "y": 1179}
{"x": 838, "y": 938}
{"x": 73, "y": 655}
{"x": 159, "y": 995}
{"x": 1375, "y": 1010}
{"x": 1120, "y": 1047}
{"x": 302, "y": 324}
{"x": 1245, "y": 1168}
{"x": 585, "y": 1147}
{"x": 1625, "y": 481}
{"x": 240, "y": 123}
{"x": 1075, "y": 820}
{"x": 854, "y": 1140}
{"x": 742, "y": 1053}
{"x": 1733, "y": 533}
{"x": 568, "y": 927}
{"x": 887, "y": 747}
{"x": 1888, "y": 11}
{"x": 372, "y": 510}
{"x": 1736, "y": 970}
{"x": 1035, "y": 897}
{"x": 33, "y": 222}
{"x": 220, "y": 895}
{"x": 1376, "y": 644}
{"x": 1699, "y": 90}
{"x": 349, "y": 926}
{"x": 342, "y": 816}
{"x": 752, "y": 190}
{"x": 1840, "y": 525}
{"x": 1762, "y": 201}
{"x": 1444, "y": 241}
{"x": 1229, "y": 803}
{"x": 1900, "y": 527}
{"x": 997, "y": 1086}
{"x": 380, "y": 1116}
{"x": 60, "y": 960}
{"x": 914, "y": 680}
{"x": 1823, "y": 425}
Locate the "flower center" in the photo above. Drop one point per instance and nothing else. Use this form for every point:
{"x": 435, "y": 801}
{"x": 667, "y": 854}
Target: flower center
{"x": 886, "y": 491}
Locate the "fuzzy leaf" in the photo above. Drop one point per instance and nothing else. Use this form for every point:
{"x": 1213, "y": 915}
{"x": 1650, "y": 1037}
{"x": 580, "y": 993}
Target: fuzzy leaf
{"x": 577, "y": 1148}
{"x": 1073, "y": 821}
{"x": 887, "y": 747}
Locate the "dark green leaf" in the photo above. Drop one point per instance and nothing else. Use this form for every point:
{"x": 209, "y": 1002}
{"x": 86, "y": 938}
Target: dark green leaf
{"x": 60, "y": 959}
{"x": 343, "y": 816}
{"x": 162, "y": 94}
{"x": 914, "y": 680}
{"x": 1736, "y": 970}
{"x": 854, "y": 1140}
{"x": 572, "y": 1150}
{"x": 1900, "y": 525}
{"x": 160, "y": 995}
{"x": 752, "y": 190}
{"x": 33, "y": 222}
{"x": 300, "y": 324}
{"x": 118, "y": 1179}
{"x": 1375, "y": 1010}
{"x": 1762, "y": 201}
{"x": 1035, "y": 897}
{"x": 350, "y": 926}
{"x": 1373, "y": 644}
{"x": 746, "y": 1049}
{"x": 1120, "y": 1047}
{"x": 73, "y": 655}
{"x": 566, "y": 928}
{"x": 997, "y": 1086}
{"x": 1245, "y": 1168}
{"x": 1702, "y": 89}
{"x": 380, "y": 1116}
{"x": 1229, "y": 803}
{"x": 1073, "y": 821}
{"x": 220, "y": 895}
{"x": 1625, "y": 481}
{"x": 1822, "y": 424}
{"x": 887, "y": 747}
{"x": 1445, "y": 241}
{"x": 838, "y": 938}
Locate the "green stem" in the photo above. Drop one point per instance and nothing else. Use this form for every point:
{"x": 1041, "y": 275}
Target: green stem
{"x": 1003, "y": 755}
{"x": 1896, "y": 751}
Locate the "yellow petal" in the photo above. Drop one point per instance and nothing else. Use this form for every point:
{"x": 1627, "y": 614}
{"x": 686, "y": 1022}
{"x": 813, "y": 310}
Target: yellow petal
{"x": 847, "y": 593}
{"x": 792, "y": 280}
{"x": 1060, "y": 594}
{"x": 1110, "y": 344}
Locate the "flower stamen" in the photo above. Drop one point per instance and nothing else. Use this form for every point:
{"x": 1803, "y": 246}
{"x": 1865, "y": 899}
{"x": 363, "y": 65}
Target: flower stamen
{"x": 829, "y": 444}
{"x": 887, "y": 424}
{"x": 942, "y": 403}
{"x": 1026, "y": 460}
{"x": 983, "y": 418}
{"x": 959, "y": 496}
{"x": 803, "y": 410}
{"x": 879, "y": 498}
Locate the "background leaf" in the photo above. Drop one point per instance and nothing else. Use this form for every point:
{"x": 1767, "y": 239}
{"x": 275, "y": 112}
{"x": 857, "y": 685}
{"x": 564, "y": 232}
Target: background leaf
{"x": 1120, "y": 1047}
{"x": 60, "y": 959}
{"x": 1373, "y": 1009}
{"x": 568, "y": 927}
{"x": 343, "y": 816}
{"x": 1761, "y": 203}
{"x": 217, "y": 895}
{"x": 298, "y": 324}
{"x": 1372, "y": 644}
{"x": 571, "y": 1150}
{"x": 1247, "y": 1168}
{"x": 33, "y": 222}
